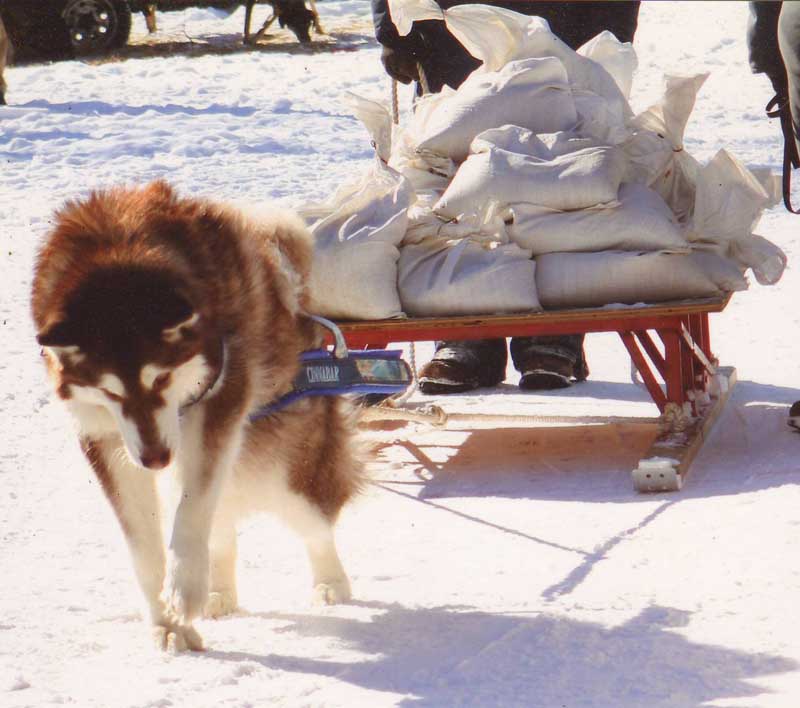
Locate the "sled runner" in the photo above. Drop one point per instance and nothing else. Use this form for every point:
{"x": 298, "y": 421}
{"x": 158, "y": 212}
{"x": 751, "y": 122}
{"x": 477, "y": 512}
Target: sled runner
{"x": 690, "y": 399}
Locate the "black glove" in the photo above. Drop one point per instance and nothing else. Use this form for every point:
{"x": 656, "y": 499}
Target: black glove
{"x": 400, "y": 65}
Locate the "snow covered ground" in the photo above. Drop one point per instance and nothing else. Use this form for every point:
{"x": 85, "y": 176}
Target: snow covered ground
{"x": 490, "y": 567}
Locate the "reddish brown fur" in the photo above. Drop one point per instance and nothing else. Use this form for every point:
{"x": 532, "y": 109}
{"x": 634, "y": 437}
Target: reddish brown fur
{"x": 234, "y": 276}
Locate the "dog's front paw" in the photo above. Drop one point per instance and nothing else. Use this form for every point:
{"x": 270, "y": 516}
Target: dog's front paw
{"x": 174, "y": 638}
{"x": 186, "y": 587}
{"x": 332, "y": 592}
{"x": 220, "y": 603}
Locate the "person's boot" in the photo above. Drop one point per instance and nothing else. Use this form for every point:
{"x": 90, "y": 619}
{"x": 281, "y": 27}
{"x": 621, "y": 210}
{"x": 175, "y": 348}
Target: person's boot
{"x": 547, "y": 363}
{"x": 794, "y": 415}
{"x": 464, "y": 366}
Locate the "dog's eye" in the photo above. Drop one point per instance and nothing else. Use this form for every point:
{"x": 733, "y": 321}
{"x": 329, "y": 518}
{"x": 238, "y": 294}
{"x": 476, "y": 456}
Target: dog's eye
{"x": 113, "y": 396}
{"x": 161, "y": 381}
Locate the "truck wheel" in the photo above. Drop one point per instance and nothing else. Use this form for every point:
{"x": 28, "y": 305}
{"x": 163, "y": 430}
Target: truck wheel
{"x": 95, "y": 26}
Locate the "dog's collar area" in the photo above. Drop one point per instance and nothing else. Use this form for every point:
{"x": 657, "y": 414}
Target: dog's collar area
{"x": 215, "y": 382}
{"x": 340, "y": 372}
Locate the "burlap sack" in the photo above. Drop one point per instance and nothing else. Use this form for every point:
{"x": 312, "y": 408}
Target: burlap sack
{"x": 357, "y": 234}
{"x": 639, "y": 221}
{"x": 573, "y": 181}
{"x": 439, "y": 278}
{"x": 565, "y": 280}
{"x": 533, "y": 94}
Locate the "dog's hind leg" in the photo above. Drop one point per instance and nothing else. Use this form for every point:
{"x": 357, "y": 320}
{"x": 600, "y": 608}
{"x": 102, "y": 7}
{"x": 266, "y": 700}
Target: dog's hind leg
{"x": 318, "y": 28}
{"x": 267, "y": 24}
{"x": 329, "y": 581}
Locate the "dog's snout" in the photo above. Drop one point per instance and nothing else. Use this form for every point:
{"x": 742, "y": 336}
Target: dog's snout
{"x": 156, "y": 458}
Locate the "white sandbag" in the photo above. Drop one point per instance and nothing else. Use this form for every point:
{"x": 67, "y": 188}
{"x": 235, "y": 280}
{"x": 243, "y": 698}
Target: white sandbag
{"x": 655, "y": 149}
{"x": 357, "y": 233}
{"x": 639, "y": 221}
{"x": 497, "y": 36}
{"x": 512, "y": 138}
{"x": 566, "y": 141}
{"x": 376, "y": 118}
{"x": 440, "y": 278}
{"x": 405, "y": 12}
{"x": 601, "y": 115}
{"x": 532, "y": 94}
{"x": 423, "y": 224}
{"x": 598, "y": 119}
{"x": 573, "y": 181}
{"x": 766, "y": 259}
{"x": 565, "y": 280}
{"x": 617, "y": 58}
{"x": 425, "y": 171}
{"x": 771, "y": 182}
{"x": 729, "y": 200}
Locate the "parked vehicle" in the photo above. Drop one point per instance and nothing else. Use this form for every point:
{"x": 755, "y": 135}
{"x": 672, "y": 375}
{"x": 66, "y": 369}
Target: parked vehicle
{"x": 57, "y": 29}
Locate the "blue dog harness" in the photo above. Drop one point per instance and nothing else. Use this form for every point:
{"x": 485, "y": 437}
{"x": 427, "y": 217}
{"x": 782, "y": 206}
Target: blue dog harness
{"x": 342, "y": 372}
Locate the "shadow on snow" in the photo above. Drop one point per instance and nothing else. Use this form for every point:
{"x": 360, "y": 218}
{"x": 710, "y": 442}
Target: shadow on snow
{"x": 446, "y": 656}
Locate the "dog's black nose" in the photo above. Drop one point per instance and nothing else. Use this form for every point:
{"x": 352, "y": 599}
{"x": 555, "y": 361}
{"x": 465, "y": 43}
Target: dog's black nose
{"x": 156, "y": 458}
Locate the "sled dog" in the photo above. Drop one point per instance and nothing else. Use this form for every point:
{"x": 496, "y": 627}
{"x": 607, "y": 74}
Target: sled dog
{"x": 298, "y": 15}
{"x": 164, "y": 321}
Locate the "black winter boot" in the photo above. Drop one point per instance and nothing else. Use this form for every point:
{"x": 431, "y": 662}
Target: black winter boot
{"x": 548, "y": 363}
{"x": 464, "y": 366}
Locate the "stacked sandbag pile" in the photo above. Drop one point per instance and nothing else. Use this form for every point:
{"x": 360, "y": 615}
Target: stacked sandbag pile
{"x": 535, "y": 186}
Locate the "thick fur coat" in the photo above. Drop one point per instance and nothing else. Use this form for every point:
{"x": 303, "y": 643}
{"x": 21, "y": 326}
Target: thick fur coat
{"x": 164, "y": 322}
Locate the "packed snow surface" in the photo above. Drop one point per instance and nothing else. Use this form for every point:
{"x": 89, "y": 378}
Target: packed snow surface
{"x": 491, "y": 566}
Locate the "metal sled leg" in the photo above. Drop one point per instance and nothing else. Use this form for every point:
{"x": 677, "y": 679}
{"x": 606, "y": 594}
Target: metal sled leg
{"x": 666, "y": 465}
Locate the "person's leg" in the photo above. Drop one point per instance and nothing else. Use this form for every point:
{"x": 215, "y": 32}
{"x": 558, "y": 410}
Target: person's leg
{"x": 460, "y": 366}
{"x": 789, "y": 43}
{"x": 556, "y": 362}
{"x": 549, "y": 362}
{"x": 545, "y": 362}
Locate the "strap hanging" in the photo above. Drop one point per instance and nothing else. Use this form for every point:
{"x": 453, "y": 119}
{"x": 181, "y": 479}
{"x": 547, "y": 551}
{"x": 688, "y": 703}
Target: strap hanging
{"x": 778, "y": 107}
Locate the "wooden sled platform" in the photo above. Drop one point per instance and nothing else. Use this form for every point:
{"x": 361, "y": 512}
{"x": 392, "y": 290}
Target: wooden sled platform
{"x": 669, "y": 344}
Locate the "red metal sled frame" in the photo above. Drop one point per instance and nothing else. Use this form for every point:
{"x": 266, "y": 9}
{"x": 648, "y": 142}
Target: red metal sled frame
{"x": 684, "y": 360}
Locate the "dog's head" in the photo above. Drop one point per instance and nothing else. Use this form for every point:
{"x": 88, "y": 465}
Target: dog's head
{"x": 129, "y": 342}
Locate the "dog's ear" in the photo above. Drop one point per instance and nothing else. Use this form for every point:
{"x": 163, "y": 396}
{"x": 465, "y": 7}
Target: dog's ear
{"x": 58, "y": 334}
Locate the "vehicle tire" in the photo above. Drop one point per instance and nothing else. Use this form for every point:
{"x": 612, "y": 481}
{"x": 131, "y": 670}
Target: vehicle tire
{"x": 96, "y": 26}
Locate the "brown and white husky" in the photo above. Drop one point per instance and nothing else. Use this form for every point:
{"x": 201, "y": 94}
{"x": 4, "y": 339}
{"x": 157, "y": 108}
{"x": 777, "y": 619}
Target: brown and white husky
{"x": 164, "y": 321}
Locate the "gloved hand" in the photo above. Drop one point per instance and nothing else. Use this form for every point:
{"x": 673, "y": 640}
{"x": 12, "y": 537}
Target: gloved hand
{"x": 400, "y": 65}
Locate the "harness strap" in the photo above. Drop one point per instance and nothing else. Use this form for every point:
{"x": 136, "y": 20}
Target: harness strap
{"x": 323, "y": 373}
{"x": 778, "y": 107}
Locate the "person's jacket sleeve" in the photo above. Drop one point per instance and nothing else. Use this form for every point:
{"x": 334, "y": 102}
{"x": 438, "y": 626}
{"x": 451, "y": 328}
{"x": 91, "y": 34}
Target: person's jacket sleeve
{"x": 762, "y": 43}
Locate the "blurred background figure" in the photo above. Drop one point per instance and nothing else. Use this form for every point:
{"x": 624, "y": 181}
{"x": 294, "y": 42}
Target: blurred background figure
{"x": 4, "y": 52}
{"x": 773, "y": 38}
